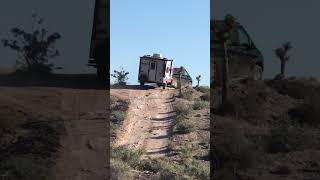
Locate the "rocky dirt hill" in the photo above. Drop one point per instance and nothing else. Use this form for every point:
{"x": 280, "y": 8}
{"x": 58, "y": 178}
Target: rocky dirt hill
{"x": 268, "y": 130}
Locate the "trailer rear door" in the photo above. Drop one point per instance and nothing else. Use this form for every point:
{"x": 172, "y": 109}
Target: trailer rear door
{"x": 152, "y": 71}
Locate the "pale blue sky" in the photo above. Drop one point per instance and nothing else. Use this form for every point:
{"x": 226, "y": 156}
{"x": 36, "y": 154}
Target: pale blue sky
{"x": 178, "y": 29}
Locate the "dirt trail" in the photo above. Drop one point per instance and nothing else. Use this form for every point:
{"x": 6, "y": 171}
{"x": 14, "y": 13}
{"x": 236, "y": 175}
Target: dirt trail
{"x": 84, "y": 152}
{"x": 149, "y": 121}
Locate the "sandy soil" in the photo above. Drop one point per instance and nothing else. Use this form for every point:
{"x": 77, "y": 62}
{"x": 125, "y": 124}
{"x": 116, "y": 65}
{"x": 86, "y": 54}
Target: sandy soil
{"x": 84, "y": 149}
{"x": 82, "y": 154}
{"x": 148, "y": 125}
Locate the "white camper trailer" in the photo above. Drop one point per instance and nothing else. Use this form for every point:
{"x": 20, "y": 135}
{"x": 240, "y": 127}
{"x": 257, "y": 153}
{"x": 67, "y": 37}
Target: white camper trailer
{"x": 155, "y": 69}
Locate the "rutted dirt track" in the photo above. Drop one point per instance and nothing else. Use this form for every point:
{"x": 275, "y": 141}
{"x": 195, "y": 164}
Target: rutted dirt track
{"x": 149, "y": 121}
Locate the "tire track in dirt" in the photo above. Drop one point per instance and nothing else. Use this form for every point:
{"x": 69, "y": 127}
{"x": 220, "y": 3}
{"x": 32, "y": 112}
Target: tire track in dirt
{"x": 149, "y": 121}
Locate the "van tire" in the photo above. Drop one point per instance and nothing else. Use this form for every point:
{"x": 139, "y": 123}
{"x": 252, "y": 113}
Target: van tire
{"x": 143, "y": 79}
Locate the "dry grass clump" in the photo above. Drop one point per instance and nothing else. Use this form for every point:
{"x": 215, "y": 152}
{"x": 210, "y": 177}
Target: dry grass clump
{"x": 198, "y": 105}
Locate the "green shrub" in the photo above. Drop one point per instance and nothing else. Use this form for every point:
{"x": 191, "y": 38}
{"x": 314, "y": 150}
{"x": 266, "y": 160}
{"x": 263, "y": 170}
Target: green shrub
{"x": 182, "y": 110}
{"x": 165, "y": 168}
{"x": 149, "y": 165}
{"x": 113, "y": 100}
{"x": 168, "y": 170}
{"x": 118, "y": 110}
{"x": 233, "y": 149}
{"x": 288, "y": 137}
{"x": 188, "y": 150}
{"x": 309, "y": 112}
{"x": 247, "y": 105}
{"x": 169, "y": 173}
{"x": 279, "y": 140}
{"x": 188, "y": 95}
{"x": 172, "y": 146}
{"x": 120, "y": 170}
{"x": 131, "y": 157}
{"x": 184, "y": 127}
{"x": 113, "y": 132}
{"x": 203, "y": 89}
{"x": 295, "y": 88}
{"x": 201, "y": 171}
{"x": 118, "y": 116}
{"x": 121, "y": 76}
{"x": 124, "y": 161}
{"x": 205, "y": 96}
{"x": 255, "y": 98}
{"x": 117, "y": 104}
{"x": 197, "y": 105}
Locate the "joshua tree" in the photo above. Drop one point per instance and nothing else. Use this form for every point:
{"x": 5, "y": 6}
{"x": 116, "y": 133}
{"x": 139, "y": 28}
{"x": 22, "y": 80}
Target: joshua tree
{"x": 34, "y": 48}
{"x": 121, "y": 76}
{"x": 198, "y": 79}
{"x": 282, "y": 54}
{"x": 224, "y": 37}
{"x": 181, "y": 71}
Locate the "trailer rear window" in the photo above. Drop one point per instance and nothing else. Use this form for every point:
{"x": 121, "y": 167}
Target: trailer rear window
{"x": 153, "y": 66}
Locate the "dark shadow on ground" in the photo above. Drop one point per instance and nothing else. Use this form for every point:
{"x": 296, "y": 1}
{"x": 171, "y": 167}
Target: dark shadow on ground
{"x": 160, "y": 137}
{"x": 136, "y": 87}
{"x": 164, "y": 119}
{"x": 73, "y": 81}
{"x": 203, "y": 158}
{"x": 205, "y": 129}
{"x": 173, "y": 153}
{"x": 162, "y": 150}
{"x": 160, "y": 127}
{"x": 171, "y": 112}
{"x": 170, "y": 101}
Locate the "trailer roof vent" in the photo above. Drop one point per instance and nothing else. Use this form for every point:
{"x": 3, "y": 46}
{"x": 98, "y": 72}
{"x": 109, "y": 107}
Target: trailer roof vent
{"x": 156, "y": 55}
